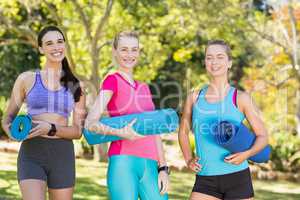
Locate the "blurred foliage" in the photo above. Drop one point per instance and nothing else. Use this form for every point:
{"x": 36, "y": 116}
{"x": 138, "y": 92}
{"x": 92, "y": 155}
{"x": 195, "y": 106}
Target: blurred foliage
{"x": 2, "y": 110}
{"x": 285, "y": 152}
{"x": 86, "y": 148}
{"x": 15, "y": 59}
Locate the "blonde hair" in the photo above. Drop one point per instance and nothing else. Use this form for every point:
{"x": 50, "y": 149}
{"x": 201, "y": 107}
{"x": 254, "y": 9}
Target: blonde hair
{"x": 131, "y": 34}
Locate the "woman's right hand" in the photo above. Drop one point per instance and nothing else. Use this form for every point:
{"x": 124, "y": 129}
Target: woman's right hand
{"x": 193, "y": 164}
{"x": 39, "y": 128}
{"x": 128, "y": 132}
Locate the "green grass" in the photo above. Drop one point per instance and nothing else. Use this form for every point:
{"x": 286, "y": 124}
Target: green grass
{"x": 91, "y": 183}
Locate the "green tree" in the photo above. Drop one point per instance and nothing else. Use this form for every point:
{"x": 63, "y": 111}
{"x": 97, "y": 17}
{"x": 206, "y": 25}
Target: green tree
{"x": 281, "y": 33}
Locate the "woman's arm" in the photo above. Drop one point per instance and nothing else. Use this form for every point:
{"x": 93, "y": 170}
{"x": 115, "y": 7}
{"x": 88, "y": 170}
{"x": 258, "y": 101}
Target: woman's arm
{"x": 247, "y": 106}
{"x": 163, "y": 176}
{"x": 15, "y": 102}
{"x": 92, "y": 122}
{"x": 183, "y": 135}
{"x": 96, "y": 112}
{"x": 253, "y": 116}
{"x": 184, "y": 129}
{"x": 160, "y": 151}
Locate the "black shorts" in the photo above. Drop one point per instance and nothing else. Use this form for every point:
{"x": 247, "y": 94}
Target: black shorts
{"x": 51, "y": 160}
{"x": 232, "y": 186}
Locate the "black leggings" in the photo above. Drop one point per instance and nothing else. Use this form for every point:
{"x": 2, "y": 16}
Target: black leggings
{"x": 51, "y": 160}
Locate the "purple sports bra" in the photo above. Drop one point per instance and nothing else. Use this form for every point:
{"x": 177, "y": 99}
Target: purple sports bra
{"x": 42, "y": 100}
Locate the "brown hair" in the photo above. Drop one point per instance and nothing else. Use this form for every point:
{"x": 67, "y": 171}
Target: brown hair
{"x": 68, "y": 80}
{"x": 124, "y": 34}
{"x": 222, "y": 43}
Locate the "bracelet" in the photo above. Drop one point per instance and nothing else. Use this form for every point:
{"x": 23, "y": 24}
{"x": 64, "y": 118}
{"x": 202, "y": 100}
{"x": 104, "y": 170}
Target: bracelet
{"x": 52, "y": 131}
{"x": 164, "y": 168}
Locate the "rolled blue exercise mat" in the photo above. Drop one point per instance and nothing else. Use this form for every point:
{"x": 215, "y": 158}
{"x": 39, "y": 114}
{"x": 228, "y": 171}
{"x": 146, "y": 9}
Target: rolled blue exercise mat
{"x": 148, "y": 123}
{"x": 239, "y": 138}
{"x": 21, "y": 127}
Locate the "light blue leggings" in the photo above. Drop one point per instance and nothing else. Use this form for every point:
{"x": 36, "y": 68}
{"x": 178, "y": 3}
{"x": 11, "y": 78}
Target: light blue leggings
{"x": 130, "y": 178}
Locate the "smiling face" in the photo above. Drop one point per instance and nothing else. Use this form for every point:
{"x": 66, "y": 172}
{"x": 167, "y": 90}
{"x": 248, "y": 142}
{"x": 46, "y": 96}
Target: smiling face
{"x": 217, "y": 61}
{"x": 53, "y": 46}
{"x": 126, "y": 52}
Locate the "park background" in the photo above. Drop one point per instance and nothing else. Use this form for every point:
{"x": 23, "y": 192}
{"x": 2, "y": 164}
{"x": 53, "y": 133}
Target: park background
{"x": 265, "y": 40}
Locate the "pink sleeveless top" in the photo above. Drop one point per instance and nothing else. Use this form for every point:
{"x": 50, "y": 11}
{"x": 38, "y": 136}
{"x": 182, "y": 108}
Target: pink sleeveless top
{"x": 128, "y": 99}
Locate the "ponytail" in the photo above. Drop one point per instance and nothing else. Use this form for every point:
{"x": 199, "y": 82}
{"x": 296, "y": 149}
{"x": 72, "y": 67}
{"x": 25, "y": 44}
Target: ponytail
{"x": 69, "y": 81}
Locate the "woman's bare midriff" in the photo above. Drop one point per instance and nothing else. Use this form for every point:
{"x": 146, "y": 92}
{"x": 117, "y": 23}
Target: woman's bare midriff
{"x": 52, "y": 118}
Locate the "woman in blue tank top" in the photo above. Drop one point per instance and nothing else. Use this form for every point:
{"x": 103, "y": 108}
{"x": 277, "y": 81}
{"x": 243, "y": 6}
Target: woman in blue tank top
{"x": 46, "y": 158}
{"x": 220, "y": 174}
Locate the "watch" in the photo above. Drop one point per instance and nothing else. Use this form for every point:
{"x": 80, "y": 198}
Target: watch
{"x": 52, "y": 131}
{"x": 164, "y": 168}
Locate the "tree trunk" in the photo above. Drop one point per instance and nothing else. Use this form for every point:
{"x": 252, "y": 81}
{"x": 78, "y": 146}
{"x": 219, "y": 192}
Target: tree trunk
{"x": 298, "y": 113}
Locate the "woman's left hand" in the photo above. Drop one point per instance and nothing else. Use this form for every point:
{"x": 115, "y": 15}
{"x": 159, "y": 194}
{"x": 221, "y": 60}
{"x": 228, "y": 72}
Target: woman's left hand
{"x": 163, "y": 182}
{"x": 41, "y": 128}
{"x": 237, "y": 158}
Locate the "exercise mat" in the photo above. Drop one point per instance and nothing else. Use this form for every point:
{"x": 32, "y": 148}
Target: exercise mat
{"x": 21, "y": 127}
{"x": 239, "y": 138}
{"x": 148, "y": 123}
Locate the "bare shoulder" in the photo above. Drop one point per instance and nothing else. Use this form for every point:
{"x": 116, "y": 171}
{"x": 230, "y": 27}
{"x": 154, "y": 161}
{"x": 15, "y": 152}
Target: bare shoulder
{"x": 243, "y": 96}
{"x": 27, "y": 80}
{"x": 192, "y": 96}
{"x": 244, "y": 100}
{"x": 27, "y": 75}
{"x": 195, "y": 93}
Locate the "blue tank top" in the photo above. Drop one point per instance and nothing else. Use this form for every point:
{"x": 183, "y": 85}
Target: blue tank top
{"x": 204, "y": 118}
{"x": 41, "y": 100}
